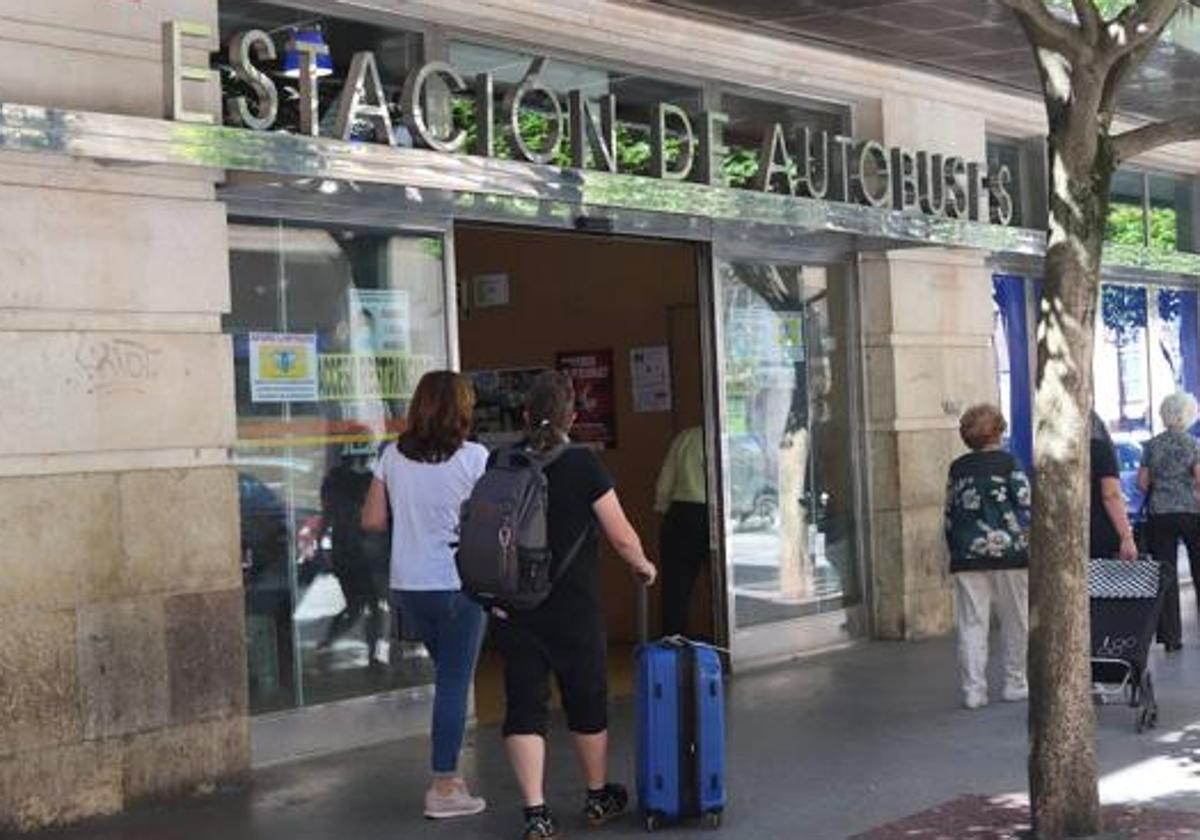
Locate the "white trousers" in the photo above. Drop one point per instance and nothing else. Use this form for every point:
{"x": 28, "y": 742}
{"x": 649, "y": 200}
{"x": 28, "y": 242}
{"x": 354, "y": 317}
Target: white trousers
{"x": 975, "y": 595}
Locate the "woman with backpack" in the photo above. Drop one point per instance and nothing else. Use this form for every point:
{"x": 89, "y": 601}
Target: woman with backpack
{"x": 426, "y": 475}
{"x": 565, "y": 635}
{"x": 987, "y": 521}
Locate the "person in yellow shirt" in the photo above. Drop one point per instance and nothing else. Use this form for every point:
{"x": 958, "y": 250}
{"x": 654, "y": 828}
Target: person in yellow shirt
{"x": 681, "y": 496}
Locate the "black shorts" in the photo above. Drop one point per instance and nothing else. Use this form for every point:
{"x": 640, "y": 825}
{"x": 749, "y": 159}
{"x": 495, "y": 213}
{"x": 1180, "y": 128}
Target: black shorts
{"x": 578, "y": 660}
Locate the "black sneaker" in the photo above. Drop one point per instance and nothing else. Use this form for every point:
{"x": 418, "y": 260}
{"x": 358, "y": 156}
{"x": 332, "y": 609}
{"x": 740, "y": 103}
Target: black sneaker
{"x": 606, "y": 804}
{"x": 539, "y": 824}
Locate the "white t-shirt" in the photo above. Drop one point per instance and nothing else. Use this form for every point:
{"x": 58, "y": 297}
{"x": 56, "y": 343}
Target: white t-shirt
{"x": 426, "y": 500}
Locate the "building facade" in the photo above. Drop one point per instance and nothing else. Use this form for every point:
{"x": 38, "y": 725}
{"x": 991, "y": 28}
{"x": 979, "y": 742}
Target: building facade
{"x": 236, "y": 233}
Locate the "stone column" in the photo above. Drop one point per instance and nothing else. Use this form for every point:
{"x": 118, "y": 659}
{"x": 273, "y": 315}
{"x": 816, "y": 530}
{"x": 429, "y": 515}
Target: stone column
{"x": 927, "y": 323}
{"x": 122, "y": 658}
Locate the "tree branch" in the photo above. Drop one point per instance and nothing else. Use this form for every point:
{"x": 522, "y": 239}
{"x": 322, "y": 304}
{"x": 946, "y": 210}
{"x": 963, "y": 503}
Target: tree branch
{"x": 1141, "y": 23}
{"x": 1089, "y": 19}
{"x": 1118, "y": 73}
{"x": 1137, "y": 141}
{"x": 1046, "y": 30}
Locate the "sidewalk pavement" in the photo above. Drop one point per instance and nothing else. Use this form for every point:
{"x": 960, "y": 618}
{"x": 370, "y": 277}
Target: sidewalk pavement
{"x": 827, "y": 747}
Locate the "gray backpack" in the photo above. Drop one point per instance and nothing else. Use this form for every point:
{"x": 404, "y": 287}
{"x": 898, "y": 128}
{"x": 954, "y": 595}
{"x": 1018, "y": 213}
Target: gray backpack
{"x": 504, "y": 555}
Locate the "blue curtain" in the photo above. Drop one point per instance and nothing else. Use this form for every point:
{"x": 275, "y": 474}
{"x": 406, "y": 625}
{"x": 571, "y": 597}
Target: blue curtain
{"x": 1189, "y": 341}
{"x": 1009, "y": 293}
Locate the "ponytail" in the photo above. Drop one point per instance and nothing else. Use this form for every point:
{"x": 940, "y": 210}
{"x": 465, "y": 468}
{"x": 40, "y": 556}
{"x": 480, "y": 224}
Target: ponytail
{"x": 549, "y": 409}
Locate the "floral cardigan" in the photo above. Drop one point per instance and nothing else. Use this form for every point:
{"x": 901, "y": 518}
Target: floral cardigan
{"x": 987, "y": 512}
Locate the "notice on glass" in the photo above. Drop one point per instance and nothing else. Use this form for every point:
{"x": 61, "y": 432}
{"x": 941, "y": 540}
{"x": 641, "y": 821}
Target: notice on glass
{"x": 595, "y": 403}
{"x": 379, "y": 321}
{"x": 283, "y": 367}
{"x": 650, "y": 369}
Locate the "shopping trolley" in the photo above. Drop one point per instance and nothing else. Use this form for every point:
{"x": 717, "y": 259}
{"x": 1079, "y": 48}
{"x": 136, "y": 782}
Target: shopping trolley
{"x": 1126, "y": 599}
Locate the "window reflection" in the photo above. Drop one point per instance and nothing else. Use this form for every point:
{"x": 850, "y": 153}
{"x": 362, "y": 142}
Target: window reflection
{"x": 787, "y": 393}
{"x": 1151, "y": 210}
{"x": 368, "y": 308}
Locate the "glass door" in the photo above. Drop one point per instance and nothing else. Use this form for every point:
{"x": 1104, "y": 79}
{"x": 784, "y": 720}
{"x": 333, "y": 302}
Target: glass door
{"x": 787, "y": 398}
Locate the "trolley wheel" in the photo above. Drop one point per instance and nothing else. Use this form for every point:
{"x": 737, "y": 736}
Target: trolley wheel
{"x": 653, "y": 821}
{"x": 713, "y": 819}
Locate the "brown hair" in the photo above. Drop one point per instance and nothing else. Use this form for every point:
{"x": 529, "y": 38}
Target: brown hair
{"x": 439, "y": 417}
{"x": 982, "y": 425}
{"x": 549, "y": 409}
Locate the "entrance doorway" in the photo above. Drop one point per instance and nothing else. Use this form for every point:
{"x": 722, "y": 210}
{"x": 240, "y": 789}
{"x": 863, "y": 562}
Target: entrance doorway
{"x": 623, "y": 315}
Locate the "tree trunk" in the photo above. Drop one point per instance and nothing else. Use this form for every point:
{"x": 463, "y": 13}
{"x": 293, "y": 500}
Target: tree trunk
{"x": 1062, "y": 762}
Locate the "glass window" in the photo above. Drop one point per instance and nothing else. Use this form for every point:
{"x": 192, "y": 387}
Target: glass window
{"x": 1151, "y": 210}
{"x": 787, "y": 439}
{"x": 750, "y": 119}
{"x": 1121, "y": 361}
{"x": 331, "y": 329}
{"x": 396, "y": 52}
{"x": 1126, "y": 224}
{"x": 1170, "y": 212}
{"x": 1025, "y": 162}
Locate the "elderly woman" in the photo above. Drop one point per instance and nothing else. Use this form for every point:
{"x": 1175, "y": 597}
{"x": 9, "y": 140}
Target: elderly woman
{"x": 987, "y": 517}
{"x": 1169, "y": 475}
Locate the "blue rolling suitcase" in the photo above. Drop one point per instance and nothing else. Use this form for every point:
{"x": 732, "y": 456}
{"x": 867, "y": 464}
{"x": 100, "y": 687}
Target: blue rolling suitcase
{"x": 680, "y": 732}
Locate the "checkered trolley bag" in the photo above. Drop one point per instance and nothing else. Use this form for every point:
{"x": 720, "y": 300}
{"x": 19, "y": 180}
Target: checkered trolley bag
{"x": 1126, "y": 599}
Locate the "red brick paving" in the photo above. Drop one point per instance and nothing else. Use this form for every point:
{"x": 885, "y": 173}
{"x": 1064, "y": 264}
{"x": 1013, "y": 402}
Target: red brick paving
{"x": 1007, "y": 818}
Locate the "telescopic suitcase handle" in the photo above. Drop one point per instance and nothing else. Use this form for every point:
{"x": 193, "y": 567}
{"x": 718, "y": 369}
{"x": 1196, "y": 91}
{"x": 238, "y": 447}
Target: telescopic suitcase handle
{"x": 643, "y": 611}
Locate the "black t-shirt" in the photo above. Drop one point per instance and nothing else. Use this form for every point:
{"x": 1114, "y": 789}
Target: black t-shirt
{"x": 1105, "y": 541}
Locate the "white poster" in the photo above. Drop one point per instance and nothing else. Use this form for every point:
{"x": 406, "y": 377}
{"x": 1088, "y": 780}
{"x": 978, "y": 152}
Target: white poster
{"x": 283, "y": 367}
{"x": 379, "y": 321}
{"x": 651, "y": 378}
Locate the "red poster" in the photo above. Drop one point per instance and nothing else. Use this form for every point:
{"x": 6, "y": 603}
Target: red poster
{"x": 595, "y": 395}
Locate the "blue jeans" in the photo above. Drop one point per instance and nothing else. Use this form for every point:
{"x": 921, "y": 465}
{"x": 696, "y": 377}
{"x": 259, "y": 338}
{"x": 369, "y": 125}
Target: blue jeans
{"x": 451, "y": 626}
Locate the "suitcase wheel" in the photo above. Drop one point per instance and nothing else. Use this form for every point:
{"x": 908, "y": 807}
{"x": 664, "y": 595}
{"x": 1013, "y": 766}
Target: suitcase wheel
{"x": 713, "y": 819}
{"x": 653, "y": 821}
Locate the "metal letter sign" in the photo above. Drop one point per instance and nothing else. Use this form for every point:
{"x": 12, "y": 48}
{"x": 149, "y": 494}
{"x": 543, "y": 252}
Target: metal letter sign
{"x": 817, "y": 165}
{"x": 175, "y": 72}
{"x": 240, "y": 47}
{"x": 363, "y": 84}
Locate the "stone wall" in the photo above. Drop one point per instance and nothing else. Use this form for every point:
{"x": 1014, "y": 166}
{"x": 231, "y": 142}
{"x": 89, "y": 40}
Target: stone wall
{"x": 927, "y": 324}
{"x": 122, "y": 661}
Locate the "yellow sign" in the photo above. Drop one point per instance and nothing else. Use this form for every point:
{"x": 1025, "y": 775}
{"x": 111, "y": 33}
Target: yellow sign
{"x": 283, "y": 361}
{"x": 283, "y": 367}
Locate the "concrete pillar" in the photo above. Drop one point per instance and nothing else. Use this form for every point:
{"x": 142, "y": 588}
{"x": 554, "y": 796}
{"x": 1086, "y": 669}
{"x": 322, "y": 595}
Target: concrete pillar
{"x": 122, "y": 658}
{"x": 927, "y": 323}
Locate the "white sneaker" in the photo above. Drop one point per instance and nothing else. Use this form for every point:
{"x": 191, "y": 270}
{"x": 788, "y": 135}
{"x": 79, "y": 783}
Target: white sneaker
{"x": 1015, "y": 694}
{"x": 973, "y": 700}
{"x": 459, "y": 803}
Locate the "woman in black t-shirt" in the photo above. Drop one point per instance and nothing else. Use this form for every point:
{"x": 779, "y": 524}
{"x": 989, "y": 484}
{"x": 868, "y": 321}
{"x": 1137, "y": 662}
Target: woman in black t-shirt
{"x": 566, "y": 635}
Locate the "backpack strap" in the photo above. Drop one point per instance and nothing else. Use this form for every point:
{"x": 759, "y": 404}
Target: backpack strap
{"x": 572, "y": 553}
{"x": 544, "y": 460}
